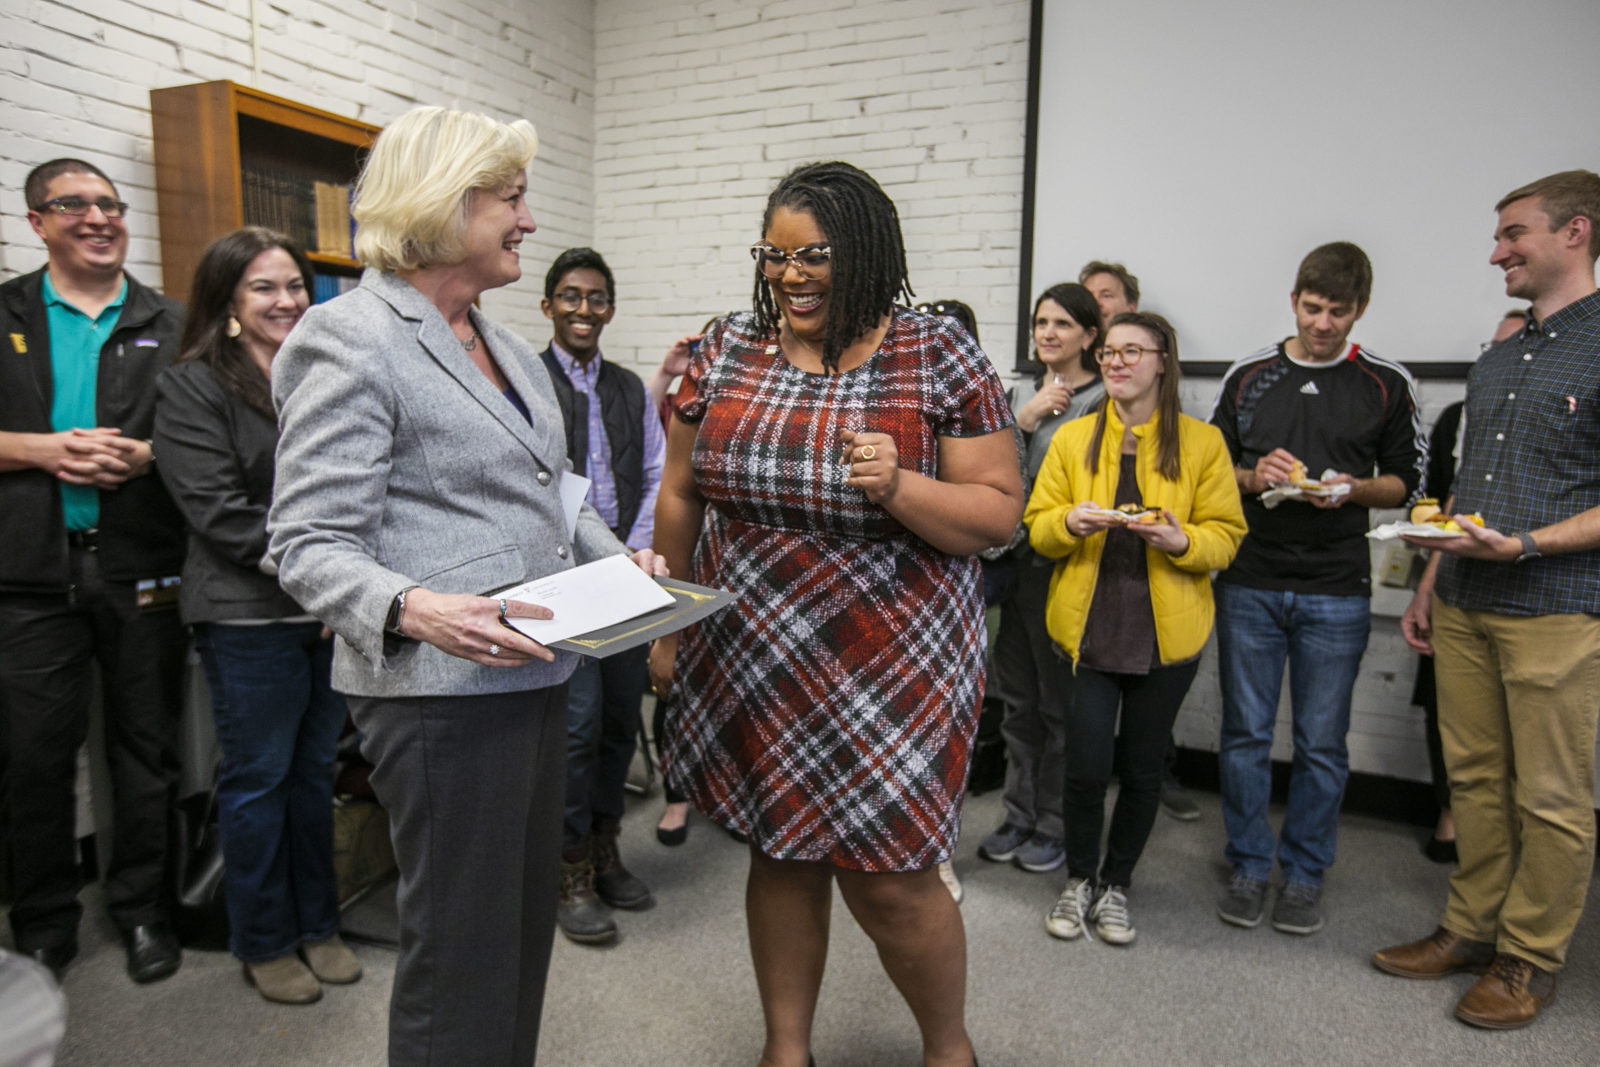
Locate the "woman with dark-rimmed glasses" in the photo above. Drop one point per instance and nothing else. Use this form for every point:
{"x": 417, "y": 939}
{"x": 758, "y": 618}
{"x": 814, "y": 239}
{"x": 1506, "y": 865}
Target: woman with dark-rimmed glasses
{"x": 1138, "y": 505}
{"x": 837, "y": 461}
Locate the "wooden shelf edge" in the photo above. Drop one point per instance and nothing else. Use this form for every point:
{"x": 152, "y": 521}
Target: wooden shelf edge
{"x": 328, "y": 260}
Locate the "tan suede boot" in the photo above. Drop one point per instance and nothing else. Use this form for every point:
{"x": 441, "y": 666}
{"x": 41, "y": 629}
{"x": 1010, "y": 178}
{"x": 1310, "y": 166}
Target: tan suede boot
{"x": 331, "y": 960}
{"x": 284, "y": 980}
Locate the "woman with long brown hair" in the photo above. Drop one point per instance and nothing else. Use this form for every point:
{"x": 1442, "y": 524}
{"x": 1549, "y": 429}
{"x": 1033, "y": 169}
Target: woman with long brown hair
{"x": 1138, "y": 505}
{"x": 268, "y": 662}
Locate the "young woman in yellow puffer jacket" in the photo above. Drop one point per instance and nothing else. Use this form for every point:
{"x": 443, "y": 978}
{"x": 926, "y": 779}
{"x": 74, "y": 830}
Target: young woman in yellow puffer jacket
{"x": 1130, "y": 600}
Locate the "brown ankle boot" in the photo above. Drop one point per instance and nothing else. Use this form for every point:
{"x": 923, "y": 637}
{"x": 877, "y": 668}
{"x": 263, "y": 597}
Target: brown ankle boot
{"x": 1440, "y": 953}
{"x": 580, "y": 913}
{"x": 284, "y": 980}
{"x": 615, "y": 885}
{"x": 1511, "y": 995}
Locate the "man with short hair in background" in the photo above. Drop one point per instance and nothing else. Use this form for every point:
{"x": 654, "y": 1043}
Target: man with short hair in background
{"x": 93, "y": 547}
{"x": 614, "y": 438}
{"x": 1113, "y": 287}
{"x": 1300, "y": 586}
{"x": 1511, "y": 611}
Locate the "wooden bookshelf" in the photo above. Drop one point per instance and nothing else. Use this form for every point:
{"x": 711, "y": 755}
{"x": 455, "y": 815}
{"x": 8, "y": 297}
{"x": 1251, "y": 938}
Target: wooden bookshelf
{"x": 208, "y": 135}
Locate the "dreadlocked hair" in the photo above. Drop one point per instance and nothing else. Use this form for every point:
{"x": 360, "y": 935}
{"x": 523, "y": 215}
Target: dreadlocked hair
{"x": 869, "y": 255}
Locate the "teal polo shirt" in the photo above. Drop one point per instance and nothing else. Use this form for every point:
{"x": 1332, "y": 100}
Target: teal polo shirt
{"x": 75, "y": 344}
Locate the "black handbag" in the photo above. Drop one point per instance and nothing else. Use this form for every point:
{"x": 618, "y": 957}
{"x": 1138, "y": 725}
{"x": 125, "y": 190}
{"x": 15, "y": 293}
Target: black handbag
{"x": 199, "y": 912}
{"x": 199, "y": 907}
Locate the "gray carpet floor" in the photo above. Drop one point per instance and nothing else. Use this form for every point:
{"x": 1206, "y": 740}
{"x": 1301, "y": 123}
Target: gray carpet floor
{"x": 677, "y": 988}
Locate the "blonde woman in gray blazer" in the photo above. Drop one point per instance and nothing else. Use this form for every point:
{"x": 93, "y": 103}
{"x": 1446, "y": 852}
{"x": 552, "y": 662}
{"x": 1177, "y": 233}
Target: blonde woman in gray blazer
{"x": 419, "y": 466}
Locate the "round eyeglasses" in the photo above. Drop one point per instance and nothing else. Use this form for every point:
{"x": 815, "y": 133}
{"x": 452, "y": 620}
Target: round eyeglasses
{"x": 572, "y": 300}
{"x": 1129, "y": 354}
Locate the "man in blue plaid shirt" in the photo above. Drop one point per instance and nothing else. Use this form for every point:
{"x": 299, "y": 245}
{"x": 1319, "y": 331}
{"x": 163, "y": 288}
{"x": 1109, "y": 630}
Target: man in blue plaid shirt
{"x": 1511, "y": 612}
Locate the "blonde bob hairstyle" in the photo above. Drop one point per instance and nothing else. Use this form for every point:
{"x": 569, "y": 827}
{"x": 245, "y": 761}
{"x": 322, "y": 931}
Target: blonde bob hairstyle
{"x": 414, "y": 192}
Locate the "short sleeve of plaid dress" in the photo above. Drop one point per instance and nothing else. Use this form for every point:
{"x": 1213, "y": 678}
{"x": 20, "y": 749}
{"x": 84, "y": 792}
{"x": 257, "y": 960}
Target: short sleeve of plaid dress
{"x": 829, "y": 712}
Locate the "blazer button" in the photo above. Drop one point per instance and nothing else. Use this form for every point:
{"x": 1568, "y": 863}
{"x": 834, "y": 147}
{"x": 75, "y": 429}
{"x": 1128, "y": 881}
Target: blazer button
{"x": 561, "y": 550}
{"x": 544, "y": 477}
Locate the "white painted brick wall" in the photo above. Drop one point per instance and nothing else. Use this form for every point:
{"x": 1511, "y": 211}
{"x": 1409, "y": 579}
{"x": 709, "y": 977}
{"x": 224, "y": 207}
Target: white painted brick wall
{"x": 700, "y": 107}
{"x": 75, "y": 79}
{"x": 664, "y": 124}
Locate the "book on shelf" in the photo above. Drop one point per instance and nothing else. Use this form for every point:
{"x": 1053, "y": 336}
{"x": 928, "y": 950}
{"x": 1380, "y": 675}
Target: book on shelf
{"x": 327, "y": 286}
{"x": 314, "y": 214}
{"x": 333, "y": 218}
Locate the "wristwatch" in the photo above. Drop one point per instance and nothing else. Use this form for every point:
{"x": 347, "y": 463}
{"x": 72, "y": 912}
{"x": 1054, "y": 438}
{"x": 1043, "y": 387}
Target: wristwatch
{"x": 1529, "y": 549}
{"x": 397, "y": 607}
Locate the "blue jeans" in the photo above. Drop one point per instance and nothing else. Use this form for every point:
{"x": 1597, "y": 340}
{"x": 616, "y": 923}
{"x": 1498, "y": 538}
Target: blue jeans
{"x": 1323, "y": 638}
{"x": 278, "y": 720}
{"x": 603, "y": 698}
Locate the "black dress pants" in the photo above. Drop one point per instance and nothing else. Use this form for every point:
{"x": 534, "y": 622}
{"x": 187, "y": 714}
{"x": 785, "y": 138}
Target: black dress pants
{"x": 48, "y": 646}
{"x": 473, "y": 786}
{"x": 1149, "y": 704}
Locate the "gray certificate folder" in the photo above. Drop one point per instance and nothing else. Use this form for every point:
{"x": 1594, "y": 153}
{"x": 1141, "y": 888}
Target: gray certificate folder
{"x": 690, "y": 604}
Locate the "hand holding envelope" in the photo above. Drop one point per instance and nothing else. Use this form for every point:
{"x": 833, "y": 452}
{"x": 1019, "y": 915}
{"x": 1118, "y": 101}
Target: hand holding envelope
{"x": 610, "y": 605}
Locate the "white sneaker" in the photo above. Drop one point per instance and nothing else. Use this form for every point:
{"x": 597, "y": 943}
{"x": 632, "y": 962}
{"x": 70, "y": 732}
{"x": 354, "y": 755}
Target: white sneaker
{"x": 1066, "y": 915}
{"x": 947, "y": 875}
{"x": 1110, "y": 917}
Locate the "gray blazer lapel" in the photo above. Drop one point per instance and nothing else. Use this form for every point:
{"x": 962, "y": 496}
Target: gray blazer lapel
{"x": 526, "y": 372}
{"x": 436, "y": 338}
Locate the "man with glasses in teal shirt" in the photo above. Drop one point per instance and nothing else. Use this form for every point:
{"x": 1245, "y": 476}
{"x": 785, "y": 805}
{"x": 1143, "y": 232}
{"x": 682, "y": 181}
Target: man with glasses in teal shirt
{"x": 93, "y": 543}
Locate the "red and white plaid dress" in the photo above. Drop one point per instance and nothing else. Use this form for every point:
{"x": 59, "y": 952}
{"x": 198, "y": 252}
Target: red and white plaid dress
{"x": 829, "y": 713}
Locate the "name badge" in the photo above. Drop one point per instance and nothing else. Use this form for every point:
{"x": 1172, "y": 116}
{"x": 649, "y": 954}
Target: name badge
{"x": 157, "y": 594}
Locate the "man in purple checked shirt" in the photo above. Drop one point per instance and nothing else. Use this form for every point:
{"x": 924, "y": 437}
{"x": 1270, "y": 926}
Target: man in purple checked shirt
{"x": 614, "y": 438}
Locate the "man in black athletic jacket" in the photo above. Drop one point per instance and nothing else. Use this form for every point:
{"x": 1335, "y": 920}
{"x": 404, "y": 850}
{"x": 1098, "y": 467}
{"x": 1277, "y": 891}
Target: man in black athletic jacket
{"x": 1300, "y": 585}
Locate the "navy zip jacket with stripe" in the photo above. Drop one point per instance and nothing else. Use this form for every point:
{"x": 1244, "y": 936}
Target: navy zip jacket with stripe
{"x": 1358, "y": 415}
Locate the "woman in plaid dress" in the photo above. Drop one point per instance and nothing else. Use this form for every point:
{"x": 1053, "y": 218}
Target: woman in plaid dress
{"x": 836, "y": 460}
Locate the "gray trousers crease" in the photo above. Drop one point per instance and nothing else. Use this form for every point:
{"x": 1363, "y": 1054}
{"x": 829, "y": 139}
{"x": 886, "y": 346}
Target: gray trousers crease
{"x": 473, "y": 787}
{"x": 1035, "y": 721}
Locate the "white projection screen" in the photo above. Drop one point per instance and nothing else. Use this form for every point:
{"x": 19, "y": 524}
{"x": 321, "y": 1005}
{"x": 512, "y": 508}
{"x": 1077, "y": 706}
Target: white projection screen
{"x": 1209, "y": 146}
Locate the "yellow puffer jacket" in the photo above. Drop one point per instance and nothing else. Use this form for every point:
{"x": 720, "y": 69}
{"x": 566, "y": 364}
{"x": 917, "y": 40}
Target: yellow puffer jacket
{"x": 1205, "y": 500}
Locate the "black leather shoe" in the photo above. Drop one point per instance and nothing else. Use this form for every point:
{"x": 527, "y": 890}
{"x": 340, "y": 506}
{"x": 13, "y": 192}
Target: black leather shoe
{"x": 54, "y": 957}
{"x": 153, "y": 952}
{"x": 675, "y": 836}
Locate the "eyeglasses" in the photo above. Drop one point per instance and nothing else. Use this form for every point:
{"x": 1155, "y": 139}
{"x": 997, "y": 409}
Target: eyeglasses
{"x": 1129, "y": 354}
{"x": 812, "y": 261}
{"x": 572, "y": 300}
{"x": 77, "y": 206}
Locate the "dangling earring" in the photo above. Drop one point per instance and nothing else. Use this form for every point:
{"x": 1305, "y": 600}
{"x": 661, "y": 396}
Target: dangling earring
{"x": 234, "y": 329}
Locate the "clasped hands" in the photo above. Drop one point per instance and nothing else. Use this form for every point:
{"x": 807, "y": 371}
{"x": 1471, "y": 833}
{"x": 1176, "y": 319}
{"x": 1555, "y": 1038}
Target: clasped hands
{"x": 472, "y": 627}
{"x": 100, "y": 457}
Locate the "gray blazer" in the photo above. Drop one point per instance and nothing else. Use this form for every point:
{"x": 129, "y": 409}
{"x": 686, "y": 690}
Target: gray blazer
{"x": 400, "y": 464}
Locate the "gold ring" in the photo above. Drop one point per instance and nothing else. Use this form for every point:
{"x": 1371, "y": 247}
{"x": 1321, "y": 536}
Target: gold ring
{"x": 868, "y": 452}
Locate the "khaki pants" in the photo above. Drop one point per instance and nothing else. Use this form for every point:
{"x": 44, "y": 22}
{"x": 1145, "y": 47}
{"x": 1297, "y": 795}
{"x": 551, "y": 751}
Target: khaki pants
{"x": 1519, "y": 700}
